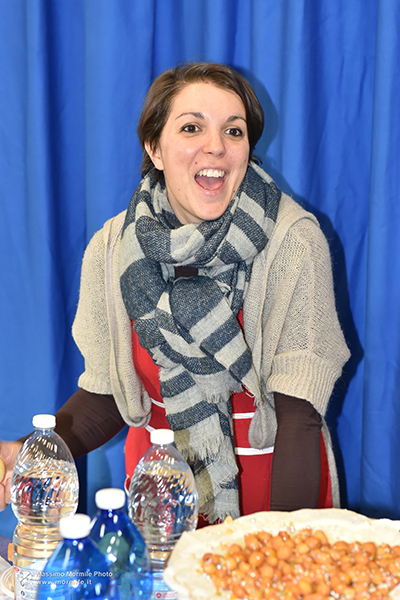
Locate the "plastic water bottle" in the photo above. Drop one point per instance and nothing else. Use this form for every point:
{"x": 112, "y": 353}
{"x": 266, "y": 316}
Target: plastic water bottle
{"x": 123, "y": 546}
{"x": 44, "y": 488}
{"x": 76, "y": 570}
{"x": 163, "y": 502}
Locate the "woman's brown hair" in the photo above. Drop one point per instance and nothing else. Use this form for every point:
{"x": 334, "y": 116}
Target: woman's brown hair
{"x": 163, "y": 90}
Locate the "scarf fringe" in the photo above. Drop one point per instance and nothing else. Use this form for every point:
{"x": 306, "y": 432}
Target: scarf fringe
{"x": 210, "y": 450}
{"x": 217, "y": 398}
{"x": 214, "y": 515}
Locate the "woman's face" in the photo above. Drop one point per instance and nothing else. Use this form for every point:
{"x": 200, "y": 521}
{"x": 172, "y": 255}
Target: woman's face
{"x": 203, "y": 151}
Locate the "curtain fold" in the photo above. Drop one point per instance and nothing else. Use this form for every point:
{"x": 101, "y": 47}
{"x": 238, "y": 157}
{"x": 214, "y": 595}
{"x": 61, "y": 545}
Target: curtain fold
{"x": 73, "y": 79}
{"x": 380, "y": 482}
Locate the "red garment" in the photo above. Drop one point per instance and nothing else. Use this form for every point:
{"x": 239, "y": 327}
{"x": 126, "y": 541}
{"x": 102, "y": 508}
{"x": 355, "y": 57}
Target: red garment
{"x": 254, "y": 477}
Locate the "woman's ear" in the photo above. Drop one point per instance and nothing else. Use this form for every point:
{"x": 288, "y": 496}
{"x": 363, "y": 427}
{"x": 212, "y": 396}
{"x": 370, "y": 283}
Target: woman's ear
{"x": 155, "y": 156}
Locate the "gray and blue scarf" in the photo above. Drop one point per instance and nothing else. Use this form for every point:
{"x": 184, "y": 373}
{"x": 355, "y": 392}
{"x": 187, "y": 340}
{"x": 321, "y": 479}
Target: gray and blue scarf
{"x": 189, "y": 325}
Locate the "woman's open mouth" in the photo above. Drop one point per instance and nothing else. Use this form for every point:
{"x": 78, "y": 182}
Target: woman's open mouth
{"x": 210, "y": 179}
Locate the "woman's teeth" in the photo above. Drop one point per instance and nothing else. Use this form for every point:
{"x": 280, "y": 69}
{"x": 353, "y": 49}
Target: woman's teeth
{"x": 210, "y": 173}
{"x": 210, "y": 179}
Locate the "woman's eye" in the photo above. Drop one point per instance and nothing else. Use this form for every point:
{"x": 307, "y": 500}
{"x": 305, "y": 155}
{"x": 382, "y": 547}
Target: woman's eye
{"x": 234, "y": 131}
{"x": 190, "y": 128}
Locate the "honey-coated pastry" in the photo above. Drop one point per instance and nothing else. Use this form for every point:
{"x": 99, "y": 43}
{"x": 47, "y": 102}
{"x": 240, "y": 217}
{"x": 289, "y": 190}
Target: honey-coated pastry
{"x": 368, "y": 547}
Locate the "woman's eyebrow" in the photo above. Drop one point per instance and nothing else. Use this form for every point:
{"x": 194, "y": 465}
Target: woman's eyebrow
{"x": 199, "y": 115}
{"x": 234, "y": 118}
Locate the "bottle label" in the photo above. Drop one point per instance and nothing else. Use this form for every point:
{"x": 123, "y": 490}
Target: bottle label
{"x": 165, "y": 595}
{"x": 161, "y": 591}
{"x": 27, "y": 580}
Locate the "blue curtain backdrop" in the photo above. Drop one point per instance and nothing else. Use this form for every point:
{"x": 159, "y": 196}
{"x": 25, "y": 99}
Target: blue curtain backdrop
{"x": 73, "y": 76}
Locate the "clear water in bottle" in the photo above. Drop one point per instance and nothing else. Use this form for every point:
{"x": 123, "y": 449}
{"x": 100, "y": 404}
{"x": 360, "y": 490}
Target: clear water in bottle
{"x": 163, "y": 502}
{"x": 44, "y": 488}
{"x": 123, "y": 546}
{"x": 76, "y": 570}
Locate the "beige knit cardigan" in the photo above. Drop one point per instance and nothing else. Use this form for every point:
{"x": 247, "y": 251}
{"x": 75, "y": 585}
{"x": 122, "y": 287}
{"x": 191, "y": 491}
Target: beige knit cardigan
{"x": 289, "y": 314}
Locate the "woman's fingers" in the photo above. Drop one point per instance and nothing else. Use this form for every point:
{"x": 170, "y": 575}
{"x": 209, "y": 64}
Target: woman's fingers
{"x": 8, "y": 454}
{"x": 2, "y": 469}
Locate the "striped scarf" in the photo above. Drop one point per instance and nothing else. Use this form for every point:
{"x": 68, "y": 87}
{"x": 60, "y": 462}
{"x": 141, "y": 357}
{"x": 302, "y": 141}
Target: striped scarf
{"x": 189, "y": 325}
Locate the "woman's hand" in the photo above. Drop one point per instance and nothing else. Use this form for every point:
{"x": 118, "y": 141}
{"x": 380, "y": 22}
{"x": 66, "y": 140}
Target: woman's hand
{"x": 8, "y": 454}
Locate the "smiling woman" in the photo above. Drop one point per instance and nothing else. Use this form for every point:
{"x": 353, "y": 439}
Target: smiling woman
{"x": 207, "y": 307}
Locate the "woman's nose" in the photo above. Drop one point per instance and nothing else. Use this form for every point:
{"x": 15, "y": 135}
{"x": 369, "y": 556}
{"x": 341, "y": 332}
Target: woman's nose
{"x": 214, "y": 143}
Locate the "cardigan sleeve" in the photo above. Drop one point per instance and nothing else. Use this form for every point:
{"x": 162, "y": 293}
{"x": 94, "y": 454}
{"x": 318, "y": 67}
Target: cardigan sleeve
{"x": 311, "y": 350}
{"x": 90, "y": 328}
{"x": 102, "y": 329}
